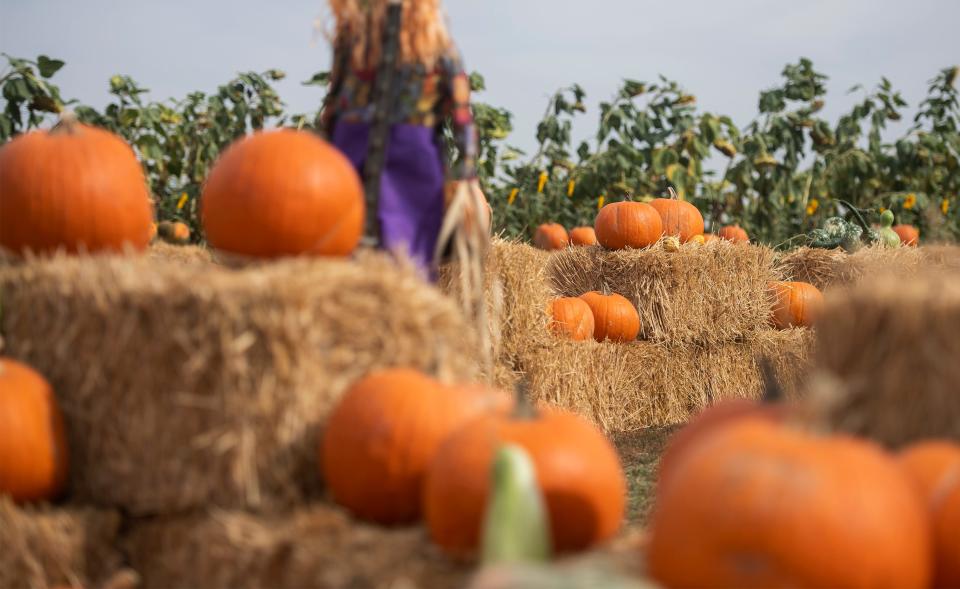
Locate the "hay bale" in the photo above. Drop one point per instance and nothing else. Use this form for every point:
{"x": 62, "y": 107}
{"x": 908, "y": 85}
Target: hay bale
{"x": 42, "y": 546}
{"x": 706, "y": 294}
{"x": 894, "y": 344}
{"x": 187, "y": 385}
{"x": 626, "y": 387}
{"x": 179, "y": 253}
{"x": 315, "y": 547}
{"x": 817, "y": 266}
{"x": 834, "y": 268}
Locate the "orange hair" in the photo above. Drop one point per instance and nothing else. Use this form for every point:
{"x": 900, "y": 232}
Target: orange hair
{"x": 423, "y": 33}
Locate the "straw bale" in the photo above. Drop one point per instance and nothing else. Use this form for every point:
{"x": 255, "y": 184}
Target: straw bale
{"x": 188, "y": 385}
{"x": 42, "y": 546}
{"x": 894, "y": 344}
{"x": 625, "y": 387}
{"x": 706, "y": 294}
{"x": 180, "y": 253}
{"x": 817, "y": 266}
{"x": 834, "y": 268}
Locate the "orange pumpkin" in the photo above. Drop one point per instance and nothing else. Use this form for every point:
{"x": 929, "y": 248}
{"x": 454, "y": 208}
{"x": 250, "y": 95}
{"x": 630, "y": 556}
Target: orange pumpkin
{"x": 33, "y": 447}
{"x": 174, "y": 232}
{"x": 679, "y": 218}
{"x": 572, "y": 318}
{"x": 283, "y": 193}
{"x": 382, "y": 435}
{"x": 733, "y": 233}
{"x": 577, "y": 469}
{"x": 614, "y": 317}
{"x": 909, "y": 235}
{"x": 75, "y": 188}
{"x": 551, "y": 236}
{"x": 621, "y": 225}
{"x": 796, "y": 304}
{"x": 946, "y": 533}
{"x": 583, "y": 236}
{"x": 757, "y": 504}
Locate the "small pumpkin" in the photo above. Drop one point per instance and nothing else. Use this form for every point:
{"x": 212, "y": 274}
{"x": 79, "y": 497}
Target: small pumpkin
{"x": 74, "y": 187}
{"x": 33, "y": 447}
{"x": 733, "y": 233}
{"x": 383, "y": 433}
{"x": 757, "y": 504}
{"x": 796, "y": 304}
{"x": 698, "y": 239}
{"x": 583, "y": 236}
{"x": 572, "y": 318}
{"x": 551, "y": 236}
{"x": 174, "y": 232}
{"x": 909, "y": 235}
{"x": 283, "y": 193}
{"x": 679, "y": 218}
{"x": 614, "y": 317}
{"x": 621, "y": 225}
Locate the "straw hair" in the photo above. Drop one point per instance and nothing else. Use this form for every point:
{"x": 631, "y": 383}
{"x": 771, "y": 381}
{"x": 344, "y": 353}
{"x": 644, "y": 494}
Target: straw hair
{"x": 41, "y": 547}
{"x": 894, "y": 345}
{"x": 188, "y": 385}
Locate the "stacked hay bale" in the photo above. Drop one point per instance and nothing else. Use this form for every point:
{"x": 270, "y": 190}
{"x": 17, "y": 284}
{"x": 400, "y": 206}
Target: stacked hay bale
{"x": 193, "y": 396}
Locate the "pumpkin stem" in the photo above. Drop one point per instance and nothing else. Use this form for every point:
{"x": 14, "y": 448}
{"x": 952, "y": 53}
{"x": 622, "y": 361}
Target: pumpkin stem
{"x": 673, "y": 193}
{"x": 524, "y": 409}
{"x": 67, "y": 124}
{"x": 772, "y": 391}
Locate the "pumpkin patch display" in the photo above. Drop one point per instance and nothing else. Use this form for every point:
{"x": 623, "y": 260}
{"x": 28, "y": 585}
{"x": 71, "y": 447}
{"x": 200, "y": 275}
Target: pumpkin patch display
{"x": 796, "y": 304}
{"x": 583, "y": 236}
{"x": 551, "y": 236}
{"x": 572, "y": 318}
{"x": 76, "y": 188}
{"x": 909, "y": 235}
{"x": 283, "y": 193}
{"x": 621, "y": 225}
{"x": 679, "y": 218}
{"x": 33, "y": 447}
{"x": 733, "y": 233}
{"x": 614, "y": 317}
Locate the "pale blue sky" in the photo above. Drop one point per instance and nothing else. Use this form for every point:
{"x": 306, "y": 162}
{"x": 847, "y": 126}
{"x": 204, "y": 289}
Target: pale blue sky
{"x": 724, "y": 52}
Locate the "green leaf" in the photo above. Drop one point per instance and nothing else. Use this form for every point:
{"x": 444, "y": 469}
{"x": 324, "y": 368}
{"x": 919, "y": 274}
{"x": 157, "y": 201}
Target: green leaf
{"x": 48, "y": 66}
{"x": 318, "y": 79}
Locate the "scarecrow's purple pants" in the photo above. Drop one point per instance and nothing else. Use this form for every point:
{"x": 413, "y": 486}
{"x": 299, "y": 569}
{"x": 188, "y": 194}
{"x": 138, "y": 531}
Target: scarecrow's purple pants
{"x": 411, "y": 187}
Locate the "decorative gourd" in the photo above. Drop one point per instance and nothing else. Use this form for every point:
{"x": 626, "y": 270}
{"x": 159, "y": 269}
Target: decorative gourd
{"x": 577, "y": 470}
{"x": 888, "y": 237}
{"x": 621, "y": 225}
{"x": 551, "y": 236}
{"x": 572, "y": 318}
{"x": 283, "y": 193}
{"x": 74, "y": 187}
{"x": 909, "y": 235}
{"x": 733, "y": 233}
{"x": 583, "y": 236}
{"x": 614, "y": 317}
{"x": 679, "y": 218}
{"x": 33, "y": 447}
{"x": 671, "y": 244}
{"x": 698, "y": 239}
{"x": 381, "y": 436}
{"x": 946, "y": 534}
{"x": 757, "y": 504}
{"x": 515, "y": 527}
{"x": 796, "y": 304}
{"x": 174, "y": 232}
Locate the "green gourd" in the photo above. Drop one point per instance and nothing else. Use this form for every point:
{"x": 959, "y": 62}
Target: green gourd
{"x": 888, "y": 237}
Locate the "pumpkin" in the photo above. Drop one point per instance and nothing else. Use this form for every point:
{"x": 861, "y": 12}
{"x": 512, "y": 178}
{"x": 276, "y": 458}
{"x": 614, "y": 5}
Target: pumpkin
{"x": 757, "y": 504}
{"x": 908, "y": 234}
{"x": 283, "y": 193}
{"x": 733, "y": 233}
{"x": 796, "y": 304}
{"x": 33, "y": 447}
{"x": 614, "y": 317}
{"x": 381, "y": 436}
{"x": 583, "y": 236}
{"x": 621, "y": 225}
{"x": 577, "y": 469}
{"x": 679, "y": 218}
{"x": 946, "y": 534}
{"x": 75, "y": 188}
{"x": 174, "y": 232}
{"x": 571, "y": 317}
{"x": 551, "y": 236}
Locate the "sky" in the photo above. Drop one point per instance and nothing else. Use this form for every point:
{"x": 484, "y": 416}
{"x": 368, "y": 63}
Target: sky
{"x": 724, "y": 52}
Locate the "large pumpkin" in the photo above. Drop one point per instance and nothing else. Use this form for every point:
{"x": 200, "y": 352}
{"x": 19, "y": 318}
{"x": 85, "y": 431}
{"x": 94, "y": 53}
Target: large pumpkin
{"x": 796, "y": 304}
{"x": 621, "y": 225}
{"x": 761, "y": 505}
{"x": 583, "y": 236}
{"x": 614, "y": 317}
{"x": 381, "y": 436}
{"x": 909, "y": 235}
{"x": 572, "y": 318}
{"x": 576, "y": 467}
{"x": 33, "y": 447}
{"x": 283, "y": 193}
{"x": 75, "y": 188}
{"x": 733, "y": 233}
{"x": 551, "y": 236}
{"x": 679, "y": 218}
{"x": 946, "y": 533}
